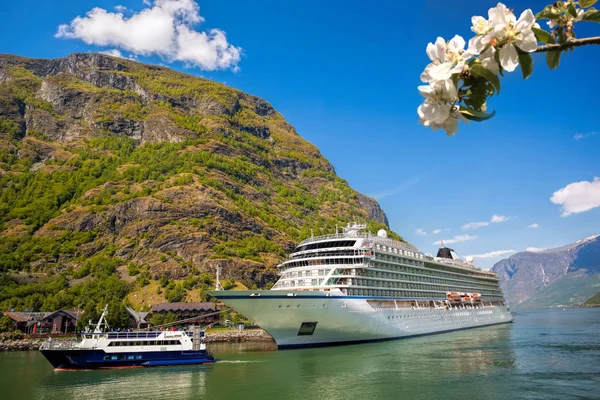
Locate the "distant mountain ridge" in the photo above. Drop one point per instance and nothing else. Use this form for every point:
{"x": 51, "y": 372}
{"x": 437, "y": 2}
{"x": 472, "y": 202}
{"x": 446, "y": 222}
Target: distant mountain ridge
{"x": 565, "y": 275}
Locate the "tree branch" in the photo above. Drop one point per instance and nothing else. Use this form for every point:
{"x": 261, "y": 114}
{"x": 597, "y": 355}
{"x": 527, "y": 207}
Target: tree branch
{"x": 568, "y": 45}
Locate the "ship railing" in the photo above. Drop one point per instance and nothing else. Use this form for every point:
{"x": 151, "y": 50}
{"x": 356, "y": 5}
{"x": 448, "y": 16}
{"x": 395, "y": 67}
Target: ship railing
{"x": 461, "y": 264}
{"x": 69, "y": 344}
{"x": 331, "y": 253}
{"x": 362, "y": 235}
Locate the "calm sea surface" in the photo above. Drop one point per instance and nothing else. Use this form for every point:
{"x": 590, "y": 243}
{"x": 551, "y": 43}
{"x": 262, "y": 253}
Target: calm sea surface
{"x": 544, "y": 354}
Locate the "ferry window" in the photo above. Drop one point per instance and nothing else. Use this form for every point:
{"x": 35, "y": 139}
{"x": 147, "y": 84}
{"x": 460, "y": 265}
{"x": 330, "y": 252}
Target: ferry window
{"x": 138, "y": 343}
{"x": 138, "y": 357}
{"x": 307, "y": 328}
{"x": 107, "y": 357}
{"x": 114, "y": 358}
{"x": 145, "y": 343}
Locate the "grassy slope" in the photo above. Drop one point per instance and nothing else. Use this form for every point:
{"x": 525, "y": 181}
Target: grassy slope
{"x": 57, "y": 197}
{"x": 594, "y": 300}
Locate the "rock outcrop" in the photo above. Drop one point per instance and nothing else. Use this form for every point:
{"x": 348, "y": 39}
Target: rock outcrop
{"x": 109, "y": 161}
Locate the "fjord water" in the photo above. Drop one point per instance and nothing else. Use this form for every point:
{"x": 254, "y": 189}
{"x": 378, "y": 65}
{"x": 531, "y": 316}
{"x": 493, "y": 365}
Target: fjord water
{"x": 544, "y": 354}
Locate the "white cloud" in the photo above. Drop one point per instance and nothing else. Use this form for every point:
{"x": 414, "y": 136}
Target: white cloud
{"x": 534, "y": 226}
{"x": 578, "y": 197}
{"x": 436, "y": 231}
{"x": 495, "y": 219}
{"x": 121, "y": 9}
{"x": 165, "y": 28}
{"x": 493, "y": 254}
{"x": 498, "y": 218}
{"x": 113, "y": 52}
{"x": 535, "y": 249}
{"x": 475, "y": 225}
{"x": 421, "y": 232}
{"x": 580, "y": 136}
{"x": 456, "y": 239}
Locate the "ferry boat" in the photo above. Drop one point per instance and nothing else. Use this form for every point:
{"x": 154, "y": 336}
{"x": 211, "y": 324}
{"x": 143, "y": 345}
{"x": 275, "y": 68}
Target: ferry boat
{"x": 99, "y": 349}
{"x": 354, "y": 287}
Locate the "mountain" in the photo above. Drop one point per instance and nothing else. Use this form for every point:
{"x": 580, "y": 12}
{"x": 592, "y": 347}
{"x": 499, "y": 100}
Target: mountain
{"x": 593, "y": 301}
{"x": 565, "y": 275}
{"x": 108, "y": 165}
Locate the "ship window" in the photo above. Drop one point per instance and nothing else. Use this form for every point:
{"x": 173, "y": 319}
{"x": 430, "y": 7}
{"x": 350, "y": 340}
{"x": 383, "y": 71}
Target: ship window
{"x": 145, "y": 343}
{"x": 107, "y": 357}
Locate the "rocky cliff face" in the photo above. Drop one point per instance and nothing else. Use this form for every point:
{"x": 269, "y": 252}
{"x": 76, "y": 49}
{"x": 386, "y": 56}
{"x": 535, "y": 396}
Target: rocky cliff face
{"x": 106, "y": 161}
{"x": 524, "y": 275}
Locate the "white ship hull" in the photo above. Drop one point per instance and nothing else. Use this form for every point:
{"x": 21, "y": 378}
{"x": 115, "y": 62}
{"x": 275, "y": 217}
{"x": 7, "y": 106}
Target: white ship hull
{"x": 332, "y": 318}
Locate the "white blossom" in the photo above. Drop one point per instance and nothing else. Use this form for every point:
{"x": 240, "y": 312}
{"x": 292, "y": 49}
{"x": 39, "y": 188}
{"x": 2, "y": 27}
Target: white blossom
{"x": 517, "y": 33}
{"x": 447, "y": 59}
{"x": 449, "y": 125}
{"x": 439, "y": 100}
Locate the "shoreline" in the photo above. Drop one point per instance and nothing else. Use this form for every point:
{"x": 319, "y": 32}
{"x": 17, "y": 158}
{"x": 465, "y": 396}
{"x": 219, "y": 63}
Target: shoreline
{"x": 28, "y": 344}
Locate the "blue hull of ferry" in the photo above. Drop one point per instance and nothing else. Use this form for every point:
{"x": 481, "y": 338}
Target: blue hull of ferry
{"x": 95, "y": 359}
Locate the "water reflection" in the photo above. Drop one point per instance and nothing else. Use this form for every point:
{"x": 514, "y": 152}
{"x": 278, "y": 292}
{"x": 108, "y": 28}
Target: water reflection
{"x": 157, "y": 383}
{"x": 545, "y": 354}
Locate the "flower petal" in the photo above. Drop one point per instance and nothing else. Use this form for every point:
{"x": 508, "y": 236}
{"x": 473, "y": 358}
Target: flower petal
{"x": 436, "y": 113}
{"x": 457, "y": 43}
{"x": 527, "y": 42}
{"x": 450, "y": 125}
{"x": 431, "y": 52}
{"x": 526, "y": 20}
{"x": 436, "y": 72}
{"x": 488, "y": 60}
{"x": 426, "y": 90}
{"x": 509, "y": 59}
{"x": 440, "y": 45}
{"x": 480, "y": 24}
{"x": 497, "y": 15}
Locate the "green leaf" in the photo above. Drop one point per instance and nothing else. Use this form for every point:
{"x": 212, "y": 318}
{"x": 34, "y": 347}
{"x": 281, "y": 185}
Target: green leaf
{"x": 542, "y": 35}
{"x": 486, "y": 74}
{"x": 553, "y": 59}
{"x": 549, "y": 12}
{"x": 591, "y": 14}
{"x": 475, "y": 115}
{"x": 571, "y": 10}
{"x": 526, "y": 64}
{"x": 586, "y": 3}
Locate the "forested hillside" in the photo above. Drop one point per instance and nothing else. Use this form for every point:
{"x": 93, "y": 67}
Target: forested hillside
{"x": 115, "y": 175}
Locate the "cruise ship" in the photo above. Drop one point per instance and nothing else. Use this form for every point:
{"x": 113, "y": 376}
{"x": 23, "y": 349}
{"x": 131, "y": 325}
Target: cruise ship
{"x": 102, "y": 350}
{"x": 354, "y": 287}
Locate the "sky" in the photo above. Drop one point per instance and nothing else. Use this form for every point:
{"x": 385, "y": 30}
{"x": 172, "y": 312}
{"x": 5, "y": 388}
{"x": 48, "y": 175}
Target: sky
{"x": 345, "y": 74}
